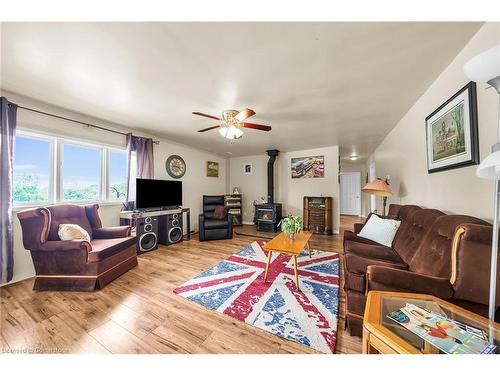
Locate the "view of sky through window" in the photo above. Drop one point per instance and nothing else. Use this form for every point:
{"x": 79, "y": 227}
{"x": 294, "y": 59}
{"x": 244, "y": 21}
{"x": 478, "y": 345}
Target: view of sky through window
{"x": 81, "y": 173}
{"x": 117, "y": 174}
{"x": 31, "y": 170}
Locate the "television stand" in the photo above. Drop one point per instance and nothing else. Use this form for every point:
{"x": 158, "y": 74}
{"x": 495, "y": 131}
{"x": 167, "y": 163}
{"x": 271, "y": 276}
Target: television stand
{"x": 131, "y": 217}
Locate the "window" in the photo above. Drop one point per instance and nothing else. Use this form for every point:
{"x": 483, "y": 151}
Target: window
{"x": 32, "y": 169}
{"x": 50, "y": 169}
{"x": 81, "y": 176}
{"x": 117, "y": 162}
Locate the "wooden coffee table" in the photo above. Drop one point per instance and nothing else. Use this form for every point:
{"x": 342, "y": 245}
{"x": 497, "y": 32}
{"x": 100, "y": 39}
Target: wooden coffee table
{"x": 282, "y": 243}
{"x": 382, "y": 335}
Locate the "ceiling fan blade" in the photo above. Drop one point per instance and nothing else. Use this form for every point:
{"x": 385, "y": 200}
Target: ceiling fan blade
{"x": 210, "y": 128}
{"x": 243, "y": 115}
{"x": 205, "y": 115}
{"x": 255, "y": 126}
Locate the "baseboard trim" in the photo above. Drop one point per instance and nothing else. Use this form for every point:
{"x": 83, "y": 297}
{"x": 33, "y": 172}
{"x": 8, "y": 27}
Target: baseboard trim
{"x": 247, "y": 223}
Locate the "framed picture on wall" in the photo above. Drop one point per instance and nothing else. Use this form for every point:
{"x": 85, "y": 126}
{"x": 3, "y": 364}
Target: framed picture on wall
{"x": 451, "y": 132}
{"x": 248, "y": 168}
{"x": 308, "y": 167}
{"x": 212, "y": 169}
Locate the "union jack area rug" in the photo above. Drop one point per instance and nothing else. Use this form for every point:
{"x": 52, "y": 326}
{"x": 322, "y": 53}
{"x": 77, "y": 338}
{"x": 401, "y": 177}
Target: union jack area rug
{"x": 236, "y": 287}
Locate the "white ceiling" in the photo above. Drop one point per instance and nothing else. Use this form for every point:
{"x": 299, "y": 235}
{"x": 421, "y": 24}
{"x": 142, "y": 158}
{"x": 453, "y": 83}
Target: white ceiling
{"x": 316, "y": 84}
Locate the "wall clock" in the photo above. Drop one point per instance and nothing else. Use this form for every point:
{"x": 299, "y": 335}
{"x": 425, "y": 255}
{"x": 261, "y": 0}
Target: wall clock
{"x": 175, "y": 166}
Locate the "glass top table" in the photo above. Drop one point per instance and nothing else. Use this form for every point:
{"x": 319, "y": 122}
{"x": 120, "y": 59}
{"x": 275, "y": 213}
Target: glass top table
{"x": 387, "y": 336}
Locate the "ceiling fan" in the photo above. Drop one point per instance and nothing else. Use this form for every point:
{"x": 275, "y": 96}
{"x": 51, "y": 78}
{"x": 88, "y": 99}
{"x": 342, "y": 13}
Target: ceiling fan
{"x": 231, "y": 123}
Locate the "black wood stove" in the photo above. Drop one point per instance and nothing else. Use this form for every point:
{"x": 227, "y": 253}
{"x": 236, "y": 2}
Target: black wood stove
{"x": 268, "y": 215}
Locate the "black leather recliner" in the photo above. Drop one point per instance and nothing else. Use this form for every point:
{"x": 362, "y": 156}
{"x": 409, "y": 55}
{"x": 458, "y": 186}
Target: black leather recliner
{"x": 210, "y": 228}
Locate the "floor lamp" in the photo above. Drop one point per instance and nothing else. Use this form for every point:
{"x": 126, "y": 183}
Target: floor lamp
{"x": 485, "y": 68}
{"x": 380, "y": 188}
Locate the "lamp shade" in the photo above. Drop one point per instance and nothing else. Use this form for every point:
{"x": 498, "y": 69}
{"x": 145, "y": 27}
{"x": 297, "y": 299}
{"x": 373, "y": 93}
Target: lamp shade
{"x": 378, "y": 187}
{"x": 230, "y": 132}
{"x": 485, "y": 67}
{"x": 490, "y": 167}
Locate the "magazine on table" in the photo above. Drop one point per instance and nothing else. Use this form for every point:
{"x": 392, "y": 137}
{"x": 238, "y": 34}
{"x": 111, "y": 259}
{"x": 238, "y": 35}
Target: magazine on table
{"x": 445, "y": 334}
{"x": 481, "y": 333}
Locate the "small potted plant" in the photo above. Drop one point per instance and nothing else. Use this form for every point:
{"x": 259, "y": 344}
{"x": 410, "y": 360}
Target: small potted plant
{"x": 291, "y": 225}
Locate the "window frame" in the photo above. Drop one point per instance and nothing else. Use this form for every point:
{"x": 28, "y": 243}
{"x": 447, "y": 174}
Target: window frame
{"x": 56, "y": 168}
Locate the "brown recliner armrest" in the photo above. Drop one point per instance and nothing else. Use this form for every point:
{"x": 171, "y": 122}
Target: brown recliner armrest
{"x": 65, "y": 245}
{"x": 391, "y": 279}
{"x": 471, "y": 263}
{"x": 112, "y": 232}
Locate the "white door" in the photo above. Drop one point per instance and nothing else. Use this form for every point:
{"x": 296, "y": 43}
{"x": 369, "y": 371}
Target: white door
{"x": 350, "y": 193}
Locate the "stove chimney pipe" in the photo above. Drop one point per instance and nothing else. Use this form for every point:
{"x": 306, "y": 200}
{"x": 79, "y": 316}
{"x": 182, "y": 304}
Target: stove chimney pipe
{"x": 270, "y": 174}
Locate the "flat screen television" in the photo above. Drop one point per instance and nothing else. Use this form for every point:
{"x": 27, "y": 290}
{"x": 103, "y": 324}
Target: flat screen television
{"x": 157, "y": 193}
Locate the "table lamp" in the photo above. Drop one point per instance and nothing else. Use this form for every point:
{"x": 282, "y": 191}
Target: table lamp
{"x": 380, "y": 188}
{"x": 485, "y": 68}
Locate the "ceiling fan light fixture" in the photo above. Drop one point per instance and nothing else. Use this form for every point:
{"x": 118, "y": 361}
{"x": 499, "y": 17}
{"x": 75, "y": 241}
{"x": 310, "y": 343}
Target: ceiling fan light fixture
{"x": 230, "y": 132}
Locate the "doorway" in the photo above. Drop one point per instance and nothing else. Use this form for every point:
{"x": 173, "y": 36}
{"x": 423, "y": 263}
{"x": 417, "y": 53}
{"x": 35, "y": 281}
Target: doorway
{"x": 350, "y": 193}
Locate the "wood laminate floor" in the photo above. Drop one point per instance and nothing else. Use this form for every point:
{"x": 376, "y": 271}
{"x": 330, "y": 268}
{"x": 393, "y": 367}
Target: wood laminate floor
{"x": 138, "y": 313}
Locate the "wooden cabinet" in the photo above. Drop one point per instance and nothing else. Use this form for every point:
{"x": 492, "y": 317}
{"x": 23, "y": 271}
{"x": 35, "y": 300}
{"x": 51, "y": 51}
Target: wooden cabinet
{"x": 318, "y": 215}
{"x": 233, "y": 202}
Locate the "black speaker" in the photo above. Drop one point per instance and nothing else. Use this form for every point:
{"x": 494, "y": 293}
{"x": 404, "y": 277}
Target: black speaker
{"x": 147, "y": 234}
{"x": 172, "y": 230}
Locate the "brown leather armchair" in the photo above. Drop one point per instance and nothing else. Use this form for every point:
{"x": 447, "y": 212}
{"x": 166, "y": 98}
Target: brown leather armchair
{"x": 75, "y": 265}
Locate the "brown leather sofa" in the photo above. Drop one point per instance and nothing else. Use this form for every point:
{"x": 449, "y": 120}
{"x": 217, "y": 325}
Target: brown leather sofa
{"x": 75, "y": 265}
{"x": 432, "y": 253}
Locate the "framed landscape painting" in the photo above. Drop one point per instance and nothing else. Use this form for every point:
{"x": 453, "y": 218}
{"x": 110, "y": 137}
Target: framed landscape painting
{"x": 212, "y": 169}
{"x": 451, "y": 132}
{"x": 308, "y": 167}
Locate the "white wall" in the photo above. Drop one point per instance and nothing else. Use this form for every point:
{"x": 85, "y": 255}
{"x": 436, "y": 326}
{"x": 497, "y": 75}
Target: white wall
{"x": 290, "y": 192}
{"x": 402, "y": 153}
{"x": 195, "y": 182}
{"x": 252, "y": 186}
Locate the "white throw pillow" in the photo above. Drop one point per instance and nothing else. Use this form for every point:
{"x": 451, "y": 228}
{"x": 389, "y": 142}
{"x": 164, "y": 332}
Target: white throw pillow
{"x": 69, "y": 232}
{"x": 380, "y": 230}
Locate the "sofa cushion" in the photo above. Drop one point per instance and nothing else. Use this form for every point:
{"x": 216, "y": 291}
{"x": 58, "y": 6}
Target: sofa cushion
{"x": 406, "y": 211}
{"x": 380, "y": 230}
{"x": 413, "y": 230}
{"x": 104, "y": 248}
{"x": 393, "y": 211}
{"x": 433, "y": 257}
{"x": 216, "y": 224}
{"x": 67, "y": 214}
{"x": 374, "y": 251}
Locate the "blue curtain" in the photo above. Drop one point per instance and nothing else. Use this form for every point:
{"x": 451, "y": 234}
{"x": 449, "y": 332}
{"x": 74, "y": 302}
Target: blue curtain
{"x": 8, "y": 113}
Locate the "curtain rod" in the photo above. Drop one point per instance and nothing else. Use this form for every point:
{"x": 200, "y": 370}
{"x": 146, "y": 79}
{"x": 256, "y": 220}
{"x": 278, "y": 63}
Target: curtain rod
{"x": 76, "y": 121}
